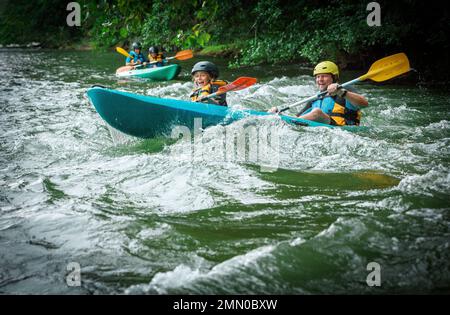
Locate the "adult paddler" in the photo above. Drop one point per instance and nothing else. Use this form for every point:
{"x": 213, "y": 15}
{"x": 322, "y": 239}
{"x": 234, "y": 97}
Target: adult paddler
{"x": 339, "y": 107}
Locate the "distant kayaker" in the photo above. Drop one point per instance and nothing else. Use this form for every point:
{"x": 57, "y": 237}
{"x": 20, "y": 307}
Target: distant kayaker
{"x": 154, "y": 55}
{"x": 205, "y": 74}
{"x": 138, "y": 57}
{"x": 339, "y": 106}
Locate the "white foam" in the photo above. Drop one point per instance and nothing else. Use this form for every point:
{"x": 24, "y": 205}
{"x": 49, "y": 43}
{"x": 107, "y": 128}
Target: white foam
{"x": 436, "y": 180}
{"x": 183, "y": 276}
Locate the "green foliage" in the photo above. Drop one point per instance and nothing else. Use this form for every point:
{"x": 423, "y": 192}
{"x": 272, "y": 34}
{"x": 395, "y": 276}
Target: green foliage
{"x": 23, "y": 21}
{"x": 325, "y": 32}
{"x": 191, "y": 20}
{"x": 267, "y": 15}
{"x": 338, "y": 30}
{"x": 268, "y": 31}
{"x": 227, "y": 50}
{"x": 197, "y": 37}
{"x": 108, "y": 24}
{"x": 157, "y": 28}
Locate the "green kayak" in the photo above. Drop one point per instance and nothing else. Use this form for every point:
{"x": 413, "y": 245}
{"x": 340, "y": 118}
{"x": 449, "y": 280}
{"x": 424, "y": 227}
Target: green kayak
{"x": 157, "y": 73}
{"x": 147, "y": 116}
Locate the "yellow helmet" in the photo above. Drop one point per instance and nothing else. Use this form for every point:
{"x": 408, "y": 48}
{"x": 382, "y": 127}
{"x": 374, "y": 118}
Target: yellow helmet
{"x": 326, "y": 67}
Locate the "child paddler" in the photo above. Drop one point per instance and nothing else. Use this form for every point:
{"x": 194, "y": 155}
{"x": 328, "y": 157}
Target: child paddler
{"x": 157, "y": 57}
{"x": 137, "y": 56}
{"x": 205, "y": 76}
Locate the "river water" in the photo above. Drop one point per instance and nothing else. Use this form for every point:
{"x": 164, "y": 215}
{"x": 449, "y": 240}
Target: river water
{"x": 139, "y": 217}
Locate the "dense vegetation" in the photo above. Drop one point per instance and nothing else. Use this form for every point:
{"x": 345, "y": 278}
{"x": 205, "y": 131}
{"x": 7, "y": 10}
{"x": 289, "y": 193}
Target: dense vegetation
{"x": 252, "y": 32}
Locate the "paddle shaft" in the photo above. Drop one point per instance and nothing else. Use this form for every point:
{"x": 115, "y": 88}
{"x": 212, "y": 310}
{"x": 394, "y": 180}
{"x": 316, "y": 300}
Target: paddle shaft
{"x": 318, "y": 95}
{"x": 153, "y": 62}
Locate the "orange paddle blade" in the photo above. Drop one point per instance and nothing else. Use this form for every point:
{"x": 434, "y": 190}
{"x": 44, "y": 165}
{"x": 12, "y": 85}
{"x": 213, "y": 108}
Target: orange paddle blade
{"x": 238, "y": 84}
{"x": 184, "y": 54}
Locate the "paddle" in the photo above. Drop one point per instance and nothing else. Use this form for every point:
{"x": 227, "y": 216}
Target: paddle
{"x": 181, "y": 55}
{"x": 238, "y": 84}
{"x": 381, "y": 70}
{"x": 122, "y": 51}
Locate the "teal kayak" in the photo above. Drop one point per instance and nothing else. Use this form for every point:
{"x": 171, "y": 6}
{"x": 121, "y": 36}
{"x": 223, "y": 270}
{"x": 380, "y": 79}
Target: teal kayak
{"x": 147, "y": 116}
{"x": 164, "y": 73}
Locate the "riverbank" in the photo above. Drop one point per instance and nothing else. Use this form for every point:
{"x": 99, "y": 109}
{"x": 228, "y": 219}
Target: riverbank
{"x": 223, "y": 50}
{"x": 233, "y": 53}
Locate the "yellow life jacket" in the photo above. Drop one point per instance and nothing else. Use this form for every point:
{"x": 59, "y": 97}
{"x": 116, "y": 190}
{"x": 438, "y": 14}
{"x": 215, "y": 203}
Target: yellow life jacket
{"x": 210, "y": 88}
{"x": 159, "y": 57}
{"x": 342, "y": 115}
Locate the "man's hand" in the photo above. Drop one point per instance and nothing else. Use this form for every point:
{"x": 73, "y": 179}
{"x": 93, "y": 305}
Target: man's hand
{"x": 273, "y": 110}
{"x": 332, "y": 89}
{"x": 335, "y": 89}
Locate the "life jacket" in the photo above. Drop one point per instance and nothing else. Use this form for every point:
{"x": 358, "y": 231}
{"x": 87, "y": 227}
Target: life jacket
{"x": 340, "y": 114}
{"x": 210, "y": 88}
{"x": 159, "y": 57}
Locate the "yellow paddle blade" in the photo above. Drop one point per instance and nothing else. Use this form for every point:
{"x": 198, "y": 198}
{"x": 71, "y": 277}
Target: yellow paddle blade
{"x": 122, "y": 51}
{"x": 184, "y": 54}
{"x": 387, "y": 68}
